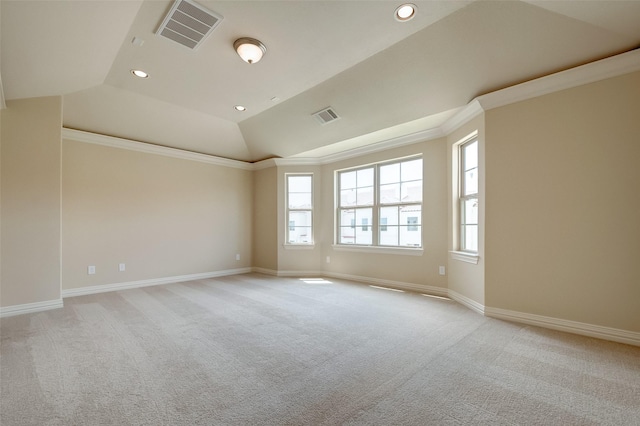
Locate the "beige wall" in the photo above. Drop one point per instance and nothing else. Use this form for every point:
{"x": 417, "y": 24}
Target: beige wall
{"x": 160, "y": 216}
{"x": 421, "y": 270}
{"x": 466, "y": 279}
{"x": 562, "y": 206}
{"x": 30, "y": 235}
{"x": 265, "y": 217}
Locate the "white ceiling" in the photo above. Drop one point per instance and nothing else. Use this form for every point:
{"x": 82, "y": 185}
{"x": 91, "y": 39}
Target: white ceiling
{"x": 384, "y": 78}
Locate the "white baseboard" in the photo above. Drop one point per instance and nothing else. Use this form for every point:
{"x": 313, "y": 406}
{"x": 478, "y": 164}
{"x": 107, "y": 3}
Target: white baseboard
{"x": 265, "y": 271}
{"x": 29, "y": 308}
{"x": 418, "y": 288}
{"x": 83, "y": 291}
{"x": 315, "y": 274}
{"x": 600, "y": 332}
{"x": 288, "y": 273}
{"x": 469, "y": 303}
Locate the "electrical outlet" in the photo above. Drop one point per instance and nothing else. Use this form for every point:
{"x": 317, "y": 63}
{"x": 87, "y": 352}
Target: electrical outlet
{"x": 122, "y": 267}
{"x": 442, "y": 270}
{"x": 328, "y": 259}
{"x": 238, "y": 256}
{"x": 91, "y": 270}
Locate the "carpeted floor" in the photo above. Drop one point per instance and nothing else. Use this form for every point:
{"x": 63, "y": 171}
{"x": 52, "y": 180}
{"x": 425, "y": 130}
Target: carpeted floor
{"x": 258, "y": 350}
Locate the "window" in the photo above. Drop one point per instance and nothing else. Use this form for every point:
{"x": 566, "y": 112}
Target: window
{"x": 381, "y": 204}
{"x": 468, "y": 197}
{"x": 299, "y": 208}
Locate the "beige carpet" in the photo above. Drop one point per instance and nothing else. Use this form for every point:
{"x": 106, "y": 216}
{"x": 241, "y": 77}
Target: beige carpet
{"x": 259, "y": 350}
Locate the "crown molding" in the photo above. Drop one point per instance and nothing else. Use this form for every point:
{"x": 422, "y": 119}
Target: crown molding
{"x": 589, "y": 73}
{"x": 114, "y": 142}
{"x": 421, "y": 136}
{"x": 469, "y": 112}
{"x": 264, "y": 164}
{"x": 613, "y": 66}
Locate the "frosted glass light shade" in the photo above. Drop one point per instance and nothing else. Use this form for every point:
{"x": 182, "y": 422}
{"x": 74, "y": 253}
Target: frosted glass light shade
{"x": 249, "y": 49}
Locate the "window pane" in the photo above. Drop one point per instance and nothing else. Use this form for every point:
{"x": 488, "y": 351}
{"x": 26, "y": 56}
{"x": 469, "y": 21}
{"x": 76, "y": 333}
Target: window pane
{"x": 300, "y": 227}
{"x": 347, "y": 180}
{"x": 347, "y": 216}
{"x": 390, "y": 193}
{"x": 411, "y": 191}
{"x": 363, "y": 226}
{"x": 299, "y": 183}
{"x": 470, "y": 208}
{"x": 347, "y": 232}
{"x": 364, "y": 196}
{"x": 411, "y": 215}
{"x": 347, "y": 235}
{"x": 300, "y": 218}
{"x": 300, "y": 200}
{"x": 347, "y": 197}
{"x": 471, "y": 182}
{"x": 390, "y": 173}
{"x": 411, "y": 236}
{"x": 390, "y": 215}
{"x": 411, "y": 170}
{"x": 389, "y": 237}
{"x": 411, "y": 229}
{"x": 470, "y": 237}
{"x": 470, "y": 154}
{"x": 300, "y": 235}
{"x": 365, "y": 177}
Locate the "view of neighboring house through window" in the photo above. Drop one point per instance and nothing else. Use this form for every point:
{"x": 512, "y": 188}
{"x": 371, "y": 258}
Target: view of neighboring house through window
{"x": 299, "y": 208}
{"x": 381, "y": 204}
{"x": 469, "y": 196}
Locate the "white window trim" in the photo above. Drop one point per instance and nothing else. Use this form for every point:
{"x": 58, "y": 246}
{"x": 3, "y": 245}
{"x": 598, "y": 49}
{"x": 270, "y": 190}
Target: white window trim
{"x": 299, "y": 246}
{"x": 408, "y": 251}
{"x": 416, "y": 251}
{"x": 465, "y": 256}
{"x": 292, "y": 246}
{"x": 462, "y": 254}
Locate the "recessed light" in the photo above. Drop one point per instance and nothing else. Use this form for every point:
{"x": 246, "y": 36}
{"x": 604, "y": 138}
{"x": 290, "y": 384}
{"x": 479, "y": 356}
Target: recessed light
{"x": 240, "y": 108}
{"x": 139, "y": 73}
{"x": 405, "y": 12}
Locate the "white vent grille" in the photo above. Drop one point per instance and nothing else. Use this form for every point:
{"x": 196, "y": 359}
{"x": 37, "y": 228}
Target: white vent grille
{"x": 188, "y": 23}
{"x": 325, "y": 116}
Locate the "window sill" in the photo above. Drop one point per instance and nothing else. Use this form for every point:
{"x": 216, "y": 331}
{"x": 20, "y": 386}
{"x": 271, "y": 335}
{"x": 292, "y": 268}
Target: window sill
{"x": 408, "y": 251}
{"x": 299, "y": 246}
{"x": 464, "y": 256}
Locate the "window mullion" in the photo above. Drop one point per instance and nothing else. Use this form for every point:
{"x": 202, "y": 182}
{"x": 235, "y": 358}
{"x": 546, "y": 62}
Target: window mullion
{"x": 375, "y": 214}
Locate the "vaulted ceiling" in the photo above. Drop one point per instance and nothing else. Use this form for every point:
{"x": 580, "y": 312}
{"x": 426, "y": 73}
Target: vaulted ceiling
{"x": 384, "y": 78}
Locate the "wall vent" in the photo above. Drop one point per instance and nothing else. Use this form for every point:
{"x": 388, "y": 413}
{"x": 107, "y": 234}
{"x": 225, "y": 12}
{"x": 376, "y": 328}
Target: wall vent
{"x": 188, "y": 23}
{"x": 325, "y": 116}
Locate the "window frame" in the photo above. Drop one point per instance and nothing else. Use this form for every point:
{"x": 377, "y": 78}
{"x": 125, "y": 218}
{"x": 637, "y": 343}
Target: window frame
{"x": 464, "y": 198}
{"x": 376, "y": 225}
{"x": 289, "y": 210}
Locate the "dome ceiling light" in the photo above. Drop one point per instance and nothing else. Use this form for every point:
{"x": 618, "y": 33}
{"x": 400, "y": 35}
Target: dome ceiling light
{"x": 249, "y": 49}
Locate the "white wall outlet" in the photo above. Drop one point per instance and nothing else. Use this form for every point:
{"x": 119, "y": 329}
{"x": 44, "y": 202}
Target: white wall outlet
{"x": 328, "y": 259}
{"x": 122, "y": 267}
{"x": 91, "y": 270}
{"x": 442, "y": 270}
{"x": 238, "y": 256}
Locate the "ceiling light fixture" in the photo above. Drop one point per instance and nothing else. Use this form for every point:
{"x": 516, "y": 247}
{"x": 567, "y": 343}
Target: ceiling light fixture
{"x": 239, "y": 108}
{"x": 139, "y": 73}
{"x": 249, "y": 49}
{"x": 405, "y": 12}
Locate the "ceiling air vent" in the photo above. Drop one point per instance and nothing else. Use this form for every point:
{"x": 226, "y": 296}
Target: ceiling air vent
{"x": 188, "y": 23}
{"x": 327, "y": 115}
